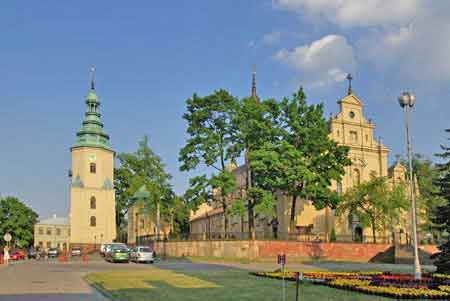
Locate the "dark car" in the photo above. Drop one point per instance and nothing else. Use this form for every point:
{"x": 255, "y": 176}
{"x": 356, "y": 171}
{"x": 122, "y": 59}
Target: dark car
{"x": 53, "y": 252}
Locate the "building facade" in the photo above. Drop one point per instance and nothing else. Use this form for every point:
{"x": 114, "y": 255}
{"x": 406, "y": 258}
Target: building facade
{"x": 53, "y": 232}
{"x": 92, "y": 198}
{"x": 142, "y": 225}
{"x": 369, "y": 159}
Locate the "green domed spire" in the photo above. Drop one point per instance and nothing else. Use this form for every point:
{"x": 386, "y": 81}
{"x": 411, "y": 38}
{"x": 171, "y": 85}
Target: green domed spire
{"x": 91, "y": 133}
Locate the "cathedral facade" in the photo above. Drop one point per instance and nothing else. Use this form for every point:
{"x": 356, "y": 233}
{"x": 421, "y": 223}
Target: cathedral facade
{"x": 369, "y": 159}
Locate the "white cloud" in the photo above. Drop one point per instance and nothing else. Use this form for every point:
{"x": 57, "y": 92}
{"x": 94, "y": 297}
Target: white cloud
{"x": 272, "y": 38}
{"x": 347, "y": 13}
{"x": 322, "y": 62}
{"x": 407, "y": 38}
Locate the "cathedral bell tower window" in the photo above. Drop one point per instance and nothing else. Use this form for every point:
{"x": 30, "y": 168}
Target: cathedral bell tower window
{"x": 93, "y": 202}
{"x": 93, "y": 168}
{"x": 93, "y": 221}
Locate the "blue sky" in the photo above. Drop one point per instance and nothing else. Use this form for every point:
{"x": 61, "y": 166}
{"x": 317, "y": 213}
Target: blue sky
{"x": 151, "y": 56}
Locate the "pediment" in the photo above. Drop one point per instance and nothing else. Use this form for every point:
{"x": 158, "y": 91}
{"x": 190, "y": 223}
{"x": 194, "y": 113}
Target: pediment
{"x": 351, "y": 99}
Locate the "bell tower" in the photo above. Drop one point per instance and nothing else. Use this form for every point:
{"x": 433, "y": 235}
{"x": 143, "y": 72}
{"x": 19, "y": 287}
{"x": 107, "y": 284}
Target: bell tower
{"x": 92, "y": 197}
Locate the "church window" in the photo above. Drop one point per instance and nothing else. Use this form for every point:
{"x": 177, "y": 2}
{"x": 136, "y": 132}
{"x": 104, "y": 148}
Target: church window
{"x": 41, "y": 231}
{"x": 93, "y": 221}
{"x": 49, "y": 244}
{"x": 367, "y": 138}
{"x": 58, "y": 231}
{"x": 49, "y": 231}
{"x": 93, "y": 202}
{"x": 353, "y": 136}
{"x": 93, "y": 168}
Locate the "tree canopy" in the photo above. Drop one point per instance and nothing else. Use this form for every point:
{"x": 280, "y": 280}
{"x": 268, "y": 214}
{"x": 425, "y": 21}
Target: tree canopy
{"x": 17, "y": 219}
{"x": 374, "y": 204}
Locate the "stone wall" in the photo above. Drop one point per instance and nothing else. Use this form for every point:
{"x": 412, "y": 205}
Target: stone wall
{"x": 269, "y": 250}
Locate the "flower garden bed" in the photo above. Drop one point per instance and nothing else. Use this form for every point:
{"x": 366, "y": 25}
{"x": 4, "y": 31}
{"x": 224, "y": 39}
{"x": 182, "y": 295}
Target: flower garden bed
{"x": 399, "y": 286}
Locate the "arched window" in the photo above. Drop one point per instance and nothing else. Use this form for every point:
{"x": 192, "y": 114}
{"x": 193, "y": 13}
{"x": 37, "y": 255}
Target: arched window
{"x": 92, "y": 167}
{"x": 93, "y": 221}
{"x": 93, "y": 202}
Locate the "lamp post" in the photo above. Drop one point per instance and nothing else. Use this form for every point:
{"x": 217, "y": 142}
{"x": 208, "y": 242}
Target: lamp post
{"x": 406, "y": 101}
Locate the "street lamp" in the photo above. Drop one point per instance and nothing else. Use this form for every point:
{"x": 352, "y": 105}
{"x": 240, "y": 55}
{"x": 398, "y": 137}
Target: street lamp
{"x": 406, "y": 101}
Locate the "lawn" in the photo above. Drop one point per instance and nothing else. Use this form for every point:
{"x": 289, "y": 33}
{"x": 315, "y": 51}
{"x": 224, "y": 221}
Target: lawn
{"x": 159, "y": 284}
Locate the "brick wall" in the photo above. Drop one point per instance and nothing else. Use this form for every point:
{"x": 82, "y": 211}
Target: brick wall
{"x": 270, "y": 249}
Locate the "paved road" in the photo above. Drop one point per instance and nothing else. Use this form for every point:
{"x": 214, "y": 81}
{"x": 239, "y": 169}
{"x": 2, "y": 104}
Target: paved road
{"x": 52, "y": 281}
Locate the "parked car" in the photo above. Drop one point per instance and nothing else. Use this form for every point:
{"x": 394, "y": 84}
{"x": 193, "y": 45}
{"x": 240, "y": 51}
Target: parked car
{"x": 118, "y": 253}
{"x": 17, "y": 255}
{"x": 76, "y": 251}
{"x": 32, "y": 253}
{"x": 108, "y": 247}
{"x": 53, "y": 252}
{"x": 103, "y": 249}
{"x": 142, "y": 254}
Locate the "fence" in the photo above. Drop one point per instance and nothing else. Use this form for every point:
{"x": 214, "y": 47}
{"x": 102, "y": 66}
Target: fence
{"x": 281, "y": 236}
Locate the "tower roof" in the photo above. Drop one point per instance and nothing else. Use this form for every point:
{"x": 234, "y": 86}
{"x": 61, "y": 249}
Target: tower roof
{"x": 254, "y": 95}
{"x": 91, "y": 133}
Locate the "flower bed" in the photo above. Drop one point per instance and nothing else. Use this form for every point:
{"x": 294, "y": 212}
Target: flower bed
{"x": 399, "y": 286}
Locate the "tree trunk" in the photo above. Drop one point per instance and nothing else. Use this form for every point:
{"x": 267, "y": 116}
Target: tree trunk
{"x": 225, "y": 217}
{"x": 251, "y": 220}
{"x": 292, "y": 220}
{"x": 374, "y": 231}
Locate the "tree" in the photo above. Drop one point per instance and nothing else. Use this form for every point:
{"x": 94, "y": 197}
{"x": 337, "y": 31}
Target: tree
{"x": 210, "y": 132}
{"x": 428, "y": 199}
{"x": 375, "y": 204}
{"x": 122, "y": 184}
{"x": 442, "y": 216}
{"x": 180, "y": 216}
{"x": 145, "y": 168}
{"x": 254, "y": 125}
{"x": 304, "y": 161}
{"x": 18, "y": 220}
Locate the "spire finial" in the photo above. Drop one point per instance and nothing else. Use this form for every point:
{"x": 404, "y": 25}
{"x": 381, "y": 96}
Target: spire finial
{"x": 254, "y": 81}
{"x": 349, "y": 78}
{"x": 92, "y": 78}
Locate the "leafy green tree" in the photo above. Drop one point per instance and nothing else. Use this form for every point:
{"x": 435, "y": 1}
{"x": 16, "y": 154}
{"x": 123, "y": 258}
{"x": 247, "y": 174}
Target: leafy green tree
{"x": 18, "y": 220}
{"x": 254, "y": 125}
{"x": 304, "y": 160}
{"x": 180, "y": 214}
{"x": 210, "y": 131}
{"x": 375, "y": 204}
{"x": 145, "y": 168}
{"x": 442, "y": 215}
{"x": 428, "y": 199}
{"x": 122, "y": 179}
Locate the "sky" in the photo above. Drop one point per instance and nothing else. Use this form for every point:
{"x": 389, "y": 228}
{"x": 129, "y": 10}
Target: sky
{"x": 151, "y": 56}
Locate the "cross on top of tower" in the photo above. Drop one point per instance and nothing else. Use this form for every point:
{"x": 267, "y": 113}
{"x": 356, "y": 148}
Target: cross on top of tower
{"x": 349, "y": 78}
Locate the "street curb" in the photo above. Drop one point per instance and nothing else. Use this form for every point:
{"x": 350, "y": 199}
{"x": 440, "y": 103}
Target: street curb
{"x": 101, "y": 290}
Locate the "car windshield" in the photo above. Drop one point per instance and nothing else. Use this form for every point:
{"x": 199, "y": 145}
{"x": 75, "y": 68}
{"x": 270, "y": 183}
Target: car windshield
{"x": 119, "y": 248}
{"x": 145, "y": 250}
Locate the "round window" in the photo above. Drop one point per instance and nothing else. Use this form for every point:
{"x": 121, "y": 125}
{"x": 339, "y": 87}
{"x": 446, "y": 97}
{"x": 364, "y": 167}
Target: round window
{"x": 351, "y": 114}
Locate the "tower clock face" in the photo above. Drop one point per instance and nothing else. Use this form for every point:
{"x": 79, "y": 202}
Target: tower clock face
{"x": 91, "y": 157}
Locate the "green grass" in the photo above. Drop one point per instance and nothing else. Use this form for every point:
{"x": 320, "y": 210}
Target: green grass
{"x": 165, "y": 285}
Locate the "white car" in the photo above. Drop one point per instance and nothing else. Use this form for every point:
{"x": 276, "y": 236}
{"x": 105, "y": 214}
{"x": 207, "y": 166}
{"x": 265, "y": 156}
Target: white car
{"x": 142, "y": 254}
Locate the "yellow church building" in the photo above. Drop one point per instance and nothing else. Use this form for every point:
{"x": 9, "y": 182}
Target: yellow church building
{"x": 369, "y": 158}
